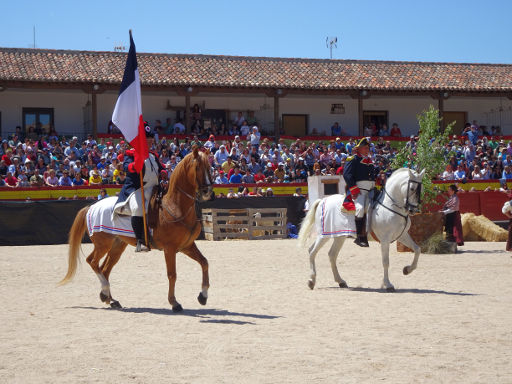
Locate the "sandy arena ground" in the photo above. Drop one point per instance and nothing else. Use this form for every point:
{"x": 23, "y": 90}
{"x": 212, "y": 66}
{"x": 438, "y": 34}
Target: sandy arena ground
{"x": 450, "y": 321}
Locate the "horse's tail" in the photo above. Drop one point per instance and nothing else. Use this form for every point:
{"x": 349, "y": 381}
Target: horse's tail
{"x": 307, "y": 223}
{"x": 74, "y": 240}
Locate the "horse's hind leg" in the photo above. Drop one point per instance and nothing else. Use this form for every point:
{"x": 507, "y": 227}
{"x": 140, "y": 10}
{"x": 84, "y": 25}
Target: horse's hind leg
{"x": 313, "y": 250}
{"x": 112, "y": 258}
{"x": 333, "y": 255}
{"x": 407, "y": 240}
{"x": 194, "y": 253}
{"x": 102, "y": 245}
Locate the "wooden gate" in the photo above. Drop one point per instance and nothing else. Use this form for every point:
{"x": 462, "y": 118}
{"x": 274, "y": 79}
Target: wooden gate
{"x": 247, "y": 223}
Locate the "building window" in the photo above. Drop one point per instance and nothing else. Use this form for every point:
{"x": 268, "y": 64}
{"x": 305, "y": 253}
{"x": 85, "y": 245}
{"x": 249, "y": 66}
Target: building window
{"x": 375, "y": 120}
{"x": 37, "y": 121}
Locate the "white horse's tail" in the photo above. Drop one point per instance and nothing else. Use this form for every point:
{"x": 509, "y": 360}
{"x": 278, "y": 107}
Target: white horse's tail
{"x": 307, "y": 223}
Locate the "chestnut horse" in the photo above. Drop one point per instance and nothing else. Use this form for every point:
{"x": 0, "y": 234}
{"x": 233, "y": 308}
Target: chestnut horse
{"x": 177, "y": 230}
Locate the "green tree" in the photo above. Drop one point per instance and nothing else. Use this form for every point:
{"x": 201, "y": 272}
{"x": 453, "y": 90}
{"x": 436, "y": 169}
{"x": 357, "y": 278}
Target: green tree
{"x": 429, "y": 154}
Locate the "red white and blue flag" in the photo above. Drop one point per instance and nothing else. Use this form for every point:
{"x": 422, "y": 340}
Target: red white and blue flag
{"x": 127, "y": 114}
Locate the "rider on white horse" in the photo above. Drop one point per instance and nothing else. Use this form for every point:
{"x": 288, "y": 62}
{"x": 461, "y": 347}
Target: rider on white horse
{"x": 129, "y": 202}
{"x": 359, "y": 174}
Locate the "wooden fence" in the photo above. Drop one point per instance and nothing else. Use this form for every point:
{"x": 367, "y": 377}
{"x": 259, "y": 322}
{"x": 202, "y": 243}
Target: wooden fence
{"x": 247, "y": 223}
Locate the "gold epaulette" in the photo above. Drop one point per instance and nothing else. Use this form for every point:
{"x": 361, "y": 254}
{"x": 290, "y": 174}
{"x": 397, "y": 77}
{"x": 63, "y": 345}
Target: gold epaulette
{"x": 350, "y": 158}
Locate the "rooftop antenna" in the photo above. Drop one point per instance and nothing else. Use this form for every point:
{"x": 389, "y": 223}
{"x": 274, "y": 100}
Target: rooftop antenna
{"x": 330, "y": 42}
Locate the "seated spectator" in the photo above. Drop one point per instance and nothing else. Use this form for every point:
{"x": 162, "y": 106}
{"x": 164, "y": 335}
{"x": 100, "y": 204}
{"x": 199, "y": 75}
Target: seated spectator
{"x": 10, "y": 180}
{"x": 269, "y": 192}
{"x": 77, "y": 180}
{"x": 236, "y": 177}
{"x": 248, "y": 178}
{"x": 507, "y": 173}
{"x": 221, "y": 155}
{"x": 52, "y": 180}
{"x": 210, "y": 143}
{"x": 121, "y": 178}
{"x": 259, "y": 177}
{"x": 221, "y": 179}
{"x": 448, "y": 174}
{"x": 460, "y": 174}
{"x": 65, "y": 180}
{"x": 23, "y": 181}
{"x": 384, "y": 130}
{"x": 238, "y": 122}
{"x": 228, "y": 165}
{"x": 179, "y": 127}
{"x": 395, "y": 131}
{"x": 279, "y": 173}
{"x": 298, "y": 192}
{"x": 95, "y": 178}
{"x": 36, "y": 180}
{"x": 476, "y": 174}
{"x": 103, "y": 194}
{"x": 336, "y": 129}
{"x": 232, "y": 194}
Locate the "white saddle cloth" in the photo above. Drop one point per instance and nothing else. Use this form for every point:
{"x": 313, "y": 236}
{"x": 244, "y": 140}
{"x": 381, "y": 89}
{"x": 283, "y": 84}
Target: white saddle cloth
{"x": 100, "y": 219}
{"x": 331, "y": 221}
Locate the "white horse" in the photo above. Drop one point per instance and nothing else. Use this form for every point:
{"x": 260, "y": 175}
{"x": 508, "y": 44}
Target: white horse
{"x": 388, "y": 220}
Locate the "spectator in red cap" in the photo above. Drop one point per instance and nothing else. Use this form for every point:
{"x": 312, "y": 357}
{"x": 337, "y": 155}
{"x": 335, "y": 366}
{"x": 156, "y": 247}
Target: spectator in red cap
{"x": 221, "y": 179}
{"x": 210, "y": 143}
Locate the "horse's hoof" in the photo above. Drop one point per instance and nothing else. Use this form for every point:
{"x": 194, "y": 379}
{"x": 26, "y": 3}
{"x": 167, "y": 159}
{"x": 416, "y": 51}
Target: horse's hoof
{"x": 104, "y": 298}
{"x": 202, "y": 300}
{"x": 390, "y": 289}
{"x": 177, "y": 308}
{"x": 406, "y": 271}
{"x": 343, "y": 285}
{"x": 311, "y": 284}
{"x": 116, "y": 305}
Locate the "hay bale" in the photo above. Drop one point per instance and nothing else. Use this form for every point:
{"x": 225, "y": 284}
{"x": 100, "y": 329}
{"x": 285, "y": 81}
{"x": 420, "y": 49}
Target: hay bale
{"x": 436, "y": 244}
{"x": 469, "y": 233}
{"x": 487, "y": 230}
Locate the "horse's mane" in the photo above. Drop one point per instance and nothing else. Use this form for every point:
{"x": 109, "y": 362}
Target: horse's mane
{"x": 397, "y": 173}
{"x": 181, "y": 172}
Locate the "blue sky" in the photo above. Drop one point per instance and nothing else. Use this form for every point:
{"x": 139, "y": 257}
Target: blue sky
{"x": 444, "y": 31}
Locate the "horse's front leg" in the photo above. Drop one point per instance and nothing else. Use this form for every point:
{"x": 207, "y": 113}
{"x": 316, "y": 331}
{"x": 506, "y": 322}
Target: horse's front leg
{"x": 194, "y": 253}
{"x": 170, "y": 261}
{"x": 407, "y": 240}
{"x": 313, "y": 250}
{"x": 384, "y": 249}
{"x": 333, "y": 255}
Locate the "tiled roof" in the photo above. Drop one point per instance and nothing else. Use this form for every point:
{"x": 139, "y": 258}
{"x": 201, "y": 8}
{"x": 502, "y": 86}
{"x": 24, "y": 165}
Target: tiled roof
{"x": 170, "y": 70}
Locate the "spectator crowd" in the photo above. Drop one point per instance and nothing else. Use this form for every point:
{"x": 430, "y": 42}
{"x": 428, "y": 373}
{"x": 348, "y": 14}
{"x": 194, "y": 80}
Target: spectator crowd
{"x": 54, "y": 161}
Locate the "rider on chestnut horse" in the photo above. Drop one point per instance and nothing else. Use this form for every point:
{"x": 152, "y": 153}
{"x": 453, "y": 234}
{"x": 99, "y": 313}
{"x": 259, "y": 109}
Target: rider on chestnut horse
{"x": 129, "y": 202}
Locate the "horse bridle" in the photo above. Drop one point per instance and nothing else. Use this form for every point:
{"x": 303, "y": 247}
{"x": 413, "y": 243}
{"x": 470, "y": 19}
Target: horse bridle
{"x": 407, "y": 205}
{"x": 201, "y": 187}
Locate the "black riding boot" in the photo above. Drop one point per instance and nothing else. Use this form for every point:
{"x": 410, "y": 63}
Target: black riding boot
{"x": 138, "y": 228}
{"x": 360, "y": 240}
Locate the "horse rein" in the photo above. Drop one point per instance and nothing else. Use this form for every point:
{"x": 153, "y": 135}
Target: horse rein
{"x": 406, "y": 217}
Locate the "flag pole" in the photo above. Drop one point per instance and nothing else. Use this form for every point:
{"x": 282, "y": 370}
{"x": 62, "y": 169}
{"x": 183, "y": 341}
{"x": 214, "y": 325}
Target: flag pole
{"x": 144, "y": 210}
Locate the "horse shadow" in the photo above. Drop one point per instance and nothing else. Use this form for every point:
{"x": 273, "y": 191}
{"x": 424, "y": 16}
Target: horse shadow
{"x": 405, "y": 290}
{"x": 207, "y": 315}
{"x": 469, "y": 251}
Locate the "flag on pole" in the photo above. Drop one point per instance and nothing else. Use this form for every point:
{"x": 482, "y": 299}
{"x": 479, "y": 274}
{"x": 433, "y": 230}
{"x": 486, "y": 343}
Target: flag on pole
{"x": 127, "y": 114}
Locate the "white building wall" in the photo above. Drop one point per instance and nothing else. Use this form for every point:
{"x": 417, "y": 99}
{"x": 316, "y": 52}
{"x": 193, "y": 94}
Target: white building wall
{"x": 485, "y": 110}
{"x": 69, "y": 109}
